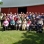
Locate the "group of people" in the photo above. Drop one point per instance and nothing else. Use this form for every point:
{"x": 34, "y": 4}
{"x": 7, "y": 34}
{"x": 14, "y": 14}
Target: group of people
{"x": 22, "y": 21}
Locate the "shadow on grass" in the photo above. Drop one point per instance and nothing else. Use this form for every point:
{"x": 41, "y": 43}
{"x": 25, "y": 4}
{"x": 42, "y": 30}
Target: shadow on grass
{"x": 32, "y": 38}
{"x": 9, "y": 29}
{"x": 1, "y": 29}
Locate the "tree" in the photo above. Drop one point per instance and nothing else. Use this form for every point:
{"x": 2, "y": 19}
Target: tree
{"x": 1, "y": 3}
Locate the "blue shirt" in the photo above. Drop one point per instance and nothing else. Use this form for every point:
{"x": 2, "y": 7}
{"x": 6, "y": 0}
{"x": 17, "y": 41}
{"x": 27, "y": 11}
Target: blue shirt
{"x": 12, "y": 22}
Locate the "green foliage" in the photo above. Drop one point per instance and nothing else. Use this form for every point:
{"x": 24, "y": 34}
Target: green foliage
{"x": 1, "y": 3}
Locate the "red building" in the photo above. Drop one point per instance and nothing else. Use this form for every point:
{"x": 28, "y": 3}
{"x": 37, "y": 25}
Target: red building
{"x": 36, "y": 8}
{"x": 22, "y": 6}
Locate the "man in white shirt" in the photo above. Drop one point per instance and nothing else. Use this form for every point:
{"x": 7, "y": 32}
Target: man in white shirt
{"x": 40, "y": 25}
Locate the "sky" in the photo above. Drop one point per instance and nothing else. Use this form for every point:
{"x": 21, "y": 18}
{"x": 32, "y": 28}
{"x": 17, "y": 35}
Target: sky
{"x": 0, "y": 0}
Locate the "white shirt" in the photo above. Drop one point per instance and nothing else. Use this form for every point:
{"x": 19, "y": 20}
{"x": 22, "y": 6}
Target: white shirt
{"x": 40, "y": 22}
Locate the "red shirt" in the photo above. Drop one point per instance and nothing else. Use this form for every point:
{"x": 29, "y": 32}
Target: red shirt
{"x": 29, "y": 22}
{"x": 15, "y": 18}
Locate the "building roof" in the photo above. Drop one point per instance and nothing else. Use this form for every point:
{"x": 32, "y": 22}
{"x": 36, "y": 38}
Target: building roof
{"x": 20, "y": 3}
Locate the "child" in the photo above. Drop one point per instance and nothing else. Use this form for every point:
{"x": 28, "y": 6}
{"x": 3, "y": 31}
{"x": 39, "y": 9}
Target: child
{"x": 24, "y": 24}
{"x": 28, "y": 24}
{"x": 19, "y": 22}
{"x": 12, "y": 23}
{"x": 5, "y": 24}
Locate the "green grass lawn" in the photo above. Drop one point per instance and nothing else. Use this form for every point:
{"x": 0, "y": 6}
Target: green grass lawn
{"x": 21, "y": 37}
